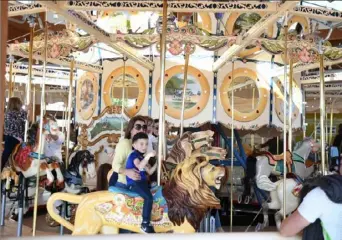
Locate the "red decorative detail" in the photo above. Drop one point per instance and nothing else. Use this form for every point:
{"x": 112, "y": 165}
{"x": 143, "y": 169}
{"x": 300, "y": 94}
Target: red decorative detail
{"x": 22, "y": 158}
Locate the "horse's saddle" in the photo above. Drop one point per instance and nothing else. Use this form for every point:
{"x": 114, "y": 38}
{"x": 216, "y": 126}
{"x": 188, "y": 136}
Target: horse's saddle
{"x": 127, "y": 203}
{"x": 156, "y": 191}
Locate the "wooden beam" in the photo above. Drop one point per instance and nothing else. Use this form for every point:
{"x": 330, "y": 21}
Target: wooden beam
{"x": 98, "y": 33}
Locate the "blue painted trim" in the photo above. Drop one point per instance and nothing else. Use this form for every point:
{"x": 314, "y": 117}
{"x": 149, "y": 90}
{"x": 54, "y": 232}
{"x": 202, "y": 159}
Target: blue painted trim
{"x": 239, "y": 143}
{"x": 214, "y": 118}
{"x": 227, "y": 143}
{"x": 150, "y": 83}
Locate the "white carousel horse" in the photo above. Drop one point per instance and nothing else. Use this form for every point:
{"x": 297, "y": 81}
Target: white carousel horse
{"x": 82, "y": 162}
{"x": 265, "y": 166}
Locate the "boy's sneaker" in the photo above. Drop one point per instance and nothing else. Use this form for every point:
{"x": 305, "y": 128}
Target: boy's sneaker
{"x": 147, "y": 228}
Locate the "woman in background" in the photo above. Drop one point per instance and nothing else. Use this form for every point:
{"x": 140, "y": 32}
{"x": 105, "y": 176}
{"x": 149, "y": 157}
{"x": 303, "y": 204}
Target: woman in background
{"x": 14, "y": 127}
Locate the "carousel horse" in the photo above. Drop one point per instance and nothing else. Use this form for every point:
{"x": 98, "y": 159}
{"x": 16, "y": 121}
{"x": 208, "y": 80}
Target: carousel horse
{"x": 81, "y": 163}
{"x": 264, "y": 165}
{"x": 178, "y": 207}
{"x": 24, "y": 160}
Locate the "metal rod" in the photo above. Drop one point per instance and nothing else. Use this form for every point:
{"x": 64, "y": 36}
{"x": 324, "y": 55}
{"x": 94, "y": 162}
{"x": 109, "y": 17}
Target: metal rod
{"x": 40, "y": 147}
{"x": 284, "y": 120}
{"x": 331, "y": 123}
{"x": 3, "y": 202}
{"x": 161, "y": 131}
{"x": 253, "y": 105}
{"x": 10, "y": 84}
{"x": 28, "y": 85}
{"x": 278, "y": 145}
{"x": 184, "y": 92}
{"x": 315, "y": 126}
{"x": 232, "y": 150}
{"x": 322, "y": 105}
{"x": 123, "y": 96}
{"x": 290, "y": 104}
{"x": 63, "y": 211}
{"x": 21, "y": 194}
{"x": 72, "y": 64}
{"x": 34, "y": 105}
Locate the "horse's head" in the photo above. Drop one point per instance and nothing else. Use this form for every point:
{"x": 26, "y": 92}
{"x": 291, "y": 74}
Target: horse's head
{"x": 83, "y": 162}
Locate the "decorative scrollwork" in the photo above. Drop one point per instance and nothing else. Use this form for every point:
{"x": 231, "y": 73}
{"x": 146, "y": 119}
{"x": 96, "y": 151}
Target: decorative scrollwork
{"x": 318, "y": 12}
{"x": 50, "y": 73}
{"x": 59, "y": 44}
{"x": 178, "y": 40}
{"x": 177, "y": 6}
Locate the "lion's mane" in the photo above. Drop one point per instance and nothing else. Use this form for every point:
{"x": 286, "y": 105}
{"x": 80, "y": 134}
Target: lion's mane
{"x": 187, "y": 195}
{"x": 177, "y": 153}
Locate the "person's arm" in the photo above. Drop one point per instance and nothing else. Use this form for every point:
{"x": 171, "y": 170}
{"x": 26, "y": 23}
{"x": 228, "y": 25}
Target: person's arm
{"x": 142, "y": 164}
{"x": 122, "y": 151}
{"x": 150, "y": 170}
{"x": 58, "y": 138}
{"x": 308, "y": 212}
{"x": 292, "y": 225}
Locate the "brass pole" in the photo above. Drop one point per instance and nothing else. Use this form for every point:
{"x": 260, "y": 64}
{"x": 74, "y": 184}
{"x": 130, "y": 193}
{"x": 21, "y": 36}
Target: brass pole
{"x": 184, "y": 92}
{"x": 278, "y": 145}
{"x": 161, "y": 131}
{"x": 253, "y": 105}
{"x": 322, "y": 104}
{"x": 331, "y": 122}
{"x": 232, "y": 150}
{"x": 10, "y": 84}
{"x": 290, "y": 105}
{"x": 28, "y": 85}
{"x": 34, "y": 104}
{"x": 72, "y": 64}
{"x": 315, "y": 126}
{"x": 40, "y": 147}
{"x": 123, "y": 96}
{"x": 284, "y": 120}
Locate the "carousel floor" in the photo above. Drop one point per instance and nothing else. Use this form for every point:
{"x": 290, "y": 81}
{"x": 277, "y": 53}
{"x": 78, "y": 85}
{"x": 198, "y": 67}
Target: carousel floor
{"x": 10, "y": 228}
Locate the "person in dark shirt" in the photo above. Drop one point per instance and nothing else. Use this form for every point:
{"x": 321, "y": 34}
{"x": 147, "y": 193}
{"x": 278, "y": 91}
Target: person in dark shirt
{"x": 136, "y": 160}
{"x": 338, "y": 139}
{"x": 14, "y": 127}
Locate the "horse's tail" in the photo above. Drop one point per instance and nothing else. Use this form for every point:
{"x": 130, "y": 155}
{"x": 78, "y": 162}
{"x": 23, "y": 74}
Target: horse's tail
{"x": 250, "y": 174}
{"x": 71, "y": 198}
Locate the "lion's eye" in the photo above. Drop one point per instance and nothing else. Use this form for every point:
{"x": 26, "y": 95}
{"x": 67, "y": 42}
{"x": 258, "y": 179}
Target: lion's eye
{"x": 212, "y": 169}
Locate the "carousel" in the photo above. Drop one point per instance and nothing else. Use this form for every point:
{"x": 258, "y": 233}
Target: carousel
{"x": 244, "y": 100}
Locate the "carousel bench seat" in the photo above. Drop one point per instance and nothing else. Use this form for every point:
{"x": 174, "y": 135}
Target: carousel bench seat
{"x": 156, "y": 191}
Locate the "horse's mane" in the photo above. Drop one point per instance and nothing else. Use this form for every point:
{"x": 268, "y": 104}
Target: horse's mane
{"x": 78, "y": 159}
{"x": 177, "y": 153}
{"x": 300, "y": 143}
{"x": 32, "y": 134}
{"x": 187, "y": 195}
